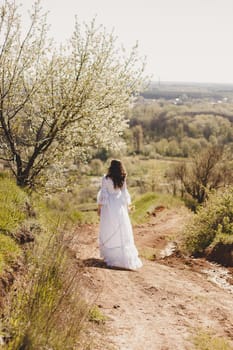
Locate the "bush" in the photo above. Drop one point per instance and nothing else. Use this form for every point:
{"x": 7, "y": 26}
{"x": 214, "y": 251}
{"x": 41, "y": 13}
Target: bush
{"x": 211, "y": 224}
{"x": 209, "y": 169}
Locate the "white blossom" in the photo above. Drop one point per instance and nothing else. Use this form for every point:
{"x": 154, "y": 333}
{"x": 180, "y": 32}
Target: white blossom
{"x": 57, "y": 103}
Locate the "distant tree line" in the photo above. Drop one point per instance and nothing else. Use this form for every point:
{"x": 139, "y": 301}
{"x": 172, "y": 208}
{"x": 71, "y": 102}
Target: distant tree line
{"x": 170, "y": 130}
{"x": 168, "y": 95}
{"x": 168, "y": 91}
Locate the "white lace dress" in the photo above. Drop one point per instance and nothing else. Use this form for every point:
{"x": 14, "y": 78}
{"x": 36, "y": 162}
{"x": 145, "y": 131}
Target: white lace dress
{"x": 116, "y": 239}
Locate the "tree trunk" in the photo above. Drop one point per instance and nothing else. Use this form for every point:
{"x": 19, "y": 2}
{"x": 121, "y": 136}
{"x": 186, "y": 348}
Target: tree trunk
{"x": 22, "y": 181}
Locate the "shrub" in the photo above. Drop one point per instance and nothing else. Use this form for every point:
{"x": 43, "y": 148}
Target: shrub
{"x": 211, "y": 223}
{"x": 209, "y": 169}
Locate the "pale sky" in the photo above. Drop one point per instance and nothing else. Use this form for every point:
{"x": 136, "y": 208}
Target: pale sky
{"x": 184, "y": 40}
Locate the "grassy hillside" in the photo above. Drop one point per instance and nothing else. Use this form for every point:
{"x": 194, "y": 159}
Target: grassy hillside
{"x": 45, "y": 308}
{"x": 12, "y": 215}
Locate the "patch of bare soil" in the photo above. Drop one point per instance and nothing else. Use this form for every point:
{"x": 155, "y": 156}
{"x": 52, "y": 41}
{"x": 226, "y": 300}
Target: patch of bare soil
{"x": 166, "y": 302}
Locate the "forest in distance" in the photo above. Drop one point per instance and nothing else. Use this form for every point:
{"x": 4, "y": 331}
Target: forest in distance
{"x": 177, "y": 119}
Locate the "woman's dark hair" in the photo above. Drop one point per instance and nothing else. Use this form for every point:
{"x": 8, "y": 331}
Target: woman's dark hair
{"x": 117, "y": 173}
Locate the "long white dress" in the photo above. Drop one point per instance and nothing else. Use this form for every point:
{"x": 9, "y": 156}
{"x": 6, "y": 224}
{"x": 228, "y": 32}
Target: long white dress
{"x": 116, "y": 239}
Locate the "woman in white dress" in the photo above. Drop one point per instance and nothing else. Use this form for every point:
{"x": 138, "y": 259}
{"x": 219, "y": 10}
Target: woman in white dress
{"x": 116, "y": 239}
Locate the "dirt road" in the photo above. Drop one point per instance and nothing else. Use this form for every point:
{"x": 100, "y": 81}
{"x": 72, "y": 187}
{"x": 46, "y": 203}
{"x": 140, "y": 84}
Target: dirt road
{"x": 166, "y": 303}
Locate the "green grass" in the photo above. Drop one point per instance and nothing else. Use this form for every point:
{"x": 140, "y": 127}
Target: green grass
{"x": 208, "y": 341}
{"x": 95, "y": 315}
{"x": 12, "y": 214}
{"x": 147, "y": 184}
{"x": 64, "y": 209}
{"x": 9, "y": 251}
{"x": 147, "y": 175}
{"x": 12, "y": 205}
{"x": 149, "y": 253}
{"x": 143, "y": 204}
{"x": 147, "y": 202}
{"x": 47, "y": 310}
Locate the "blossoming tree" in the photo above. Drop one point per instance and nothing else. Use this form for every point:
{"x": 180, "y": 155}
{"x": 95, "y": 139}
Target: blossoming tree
{"x": 56, "y": 103}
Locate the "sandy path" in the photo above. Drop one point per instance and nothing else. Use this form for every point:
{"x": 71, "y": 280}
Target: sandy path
{"x": 161, "y": 306}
